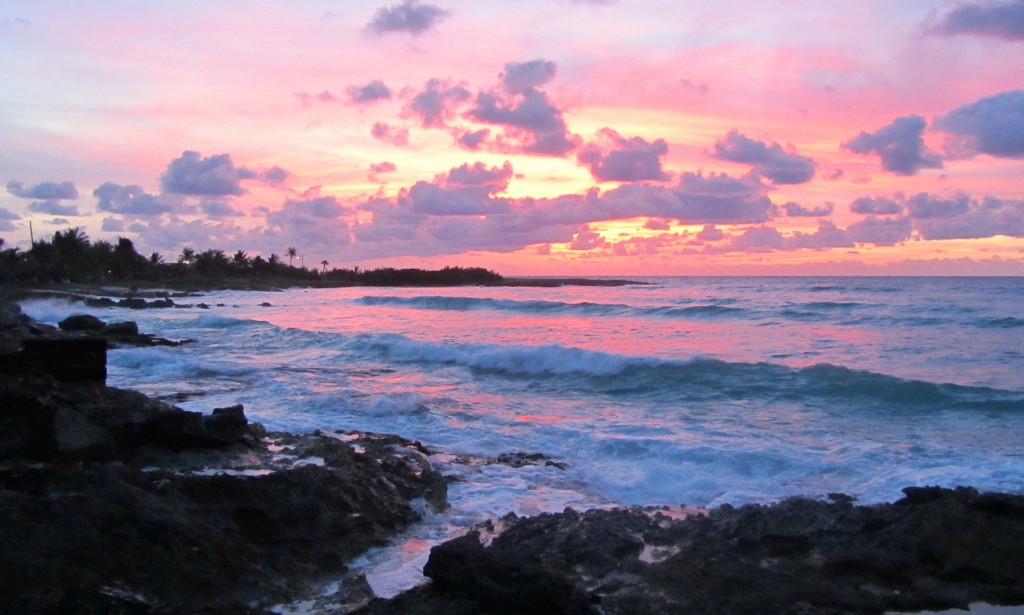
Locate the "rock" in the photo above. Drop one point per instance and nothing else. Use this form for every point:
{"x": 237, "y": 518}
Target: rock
{"x": 935, "y": 550}
{"x": 124, "y": 516}
{"x": 126, "y": 328}
{"x": 71, "y": 359}
{"x": 81, "y": 322}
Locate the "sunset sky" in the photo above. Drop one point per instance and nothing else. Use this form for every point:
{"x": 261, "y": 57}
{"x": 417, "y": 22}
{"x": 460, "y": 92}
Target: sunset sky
{"x": 530, "y": 137}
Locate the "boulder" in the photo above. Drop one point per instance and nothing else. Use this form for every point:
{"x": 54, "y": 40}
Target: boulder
{"x": 121, "y": 329}
{"x": 81, "y": 322}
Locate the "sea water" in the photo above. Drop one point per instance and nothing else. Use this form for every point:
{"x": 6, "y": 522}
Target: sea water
{"x": 696, "y": 391}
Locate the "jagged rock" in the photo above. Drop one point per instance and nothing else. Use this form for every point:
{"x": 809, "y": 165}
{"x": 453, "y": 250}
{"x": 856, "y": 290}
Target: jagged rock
{"x": 81, "y": 322}
{"x": 192, "y": 513}
{"x": 71, "y": 359}
{"x": 933, "y": 550}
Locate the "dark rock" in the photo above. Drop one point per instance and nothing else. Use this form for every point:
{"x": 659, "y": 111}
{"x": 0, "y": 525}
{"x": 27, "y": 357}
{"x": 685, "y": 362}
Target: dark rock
{"x": 157, "y": 531}
{"x": 137, "y": 303}
{"x": 266, "y": 304}
{"x": 937, "y": 549}
{"x": 71, "y": 359}
{"x": 121, "y": 329}
{"x": 81, "y": 322}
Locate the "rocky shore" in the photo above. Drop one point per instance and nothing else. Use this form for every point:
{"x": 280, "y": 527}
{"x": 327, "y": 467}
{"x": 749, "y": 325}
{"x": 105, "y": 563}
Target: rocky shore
{"x": 113, "y": 502}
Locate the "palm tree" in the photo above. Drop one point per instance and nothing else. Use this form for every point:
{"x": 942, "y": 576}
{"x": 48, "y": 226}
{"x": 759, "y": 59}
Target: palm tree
{"x": 155, "y": 259}
{"x": 188, "y": 256}
{"x": 292, "y": 253}
{"x": 240, "y": 260}
{"x": 324, "y": 264}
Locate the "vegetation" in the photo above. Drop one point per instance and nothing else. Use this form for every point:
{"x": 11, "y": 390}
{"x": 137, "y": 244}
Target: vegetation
{"x": 71, "y": 257}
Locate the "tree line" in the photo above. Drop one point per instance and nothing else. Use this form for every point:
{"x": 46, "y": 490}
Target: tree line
{"x": 71, "y": 257}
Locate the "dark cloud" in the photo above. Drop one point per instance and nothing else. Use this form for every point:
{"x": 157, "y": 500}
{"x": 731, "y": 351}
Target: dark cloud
{"x": 881, "y": 231}
{"x": 925, "y": 205}
{"x": 996, "y": 19}
{"x": 45, "y": 190}
{"x": 988, "y": 217}
{"x": 992, "y": 125}
{"x": 371, "y": 92}
{"x": 409, "y": 16}
{"x": 219, "y": 209}
{"x": 466, "y": 190}
{"x": 112, "y": 225}
{"x": 697, "y": 199}
{"x": 494, "y": 178}
{"x": 532, "y": 124}
{"x": 8, "y": 215}
{"x": 796, "y": 210}
{"x": 876, "y": 206}
{"x": 519, "y": 77}
{"x": 657, "y": 224}
{"x": 53, "y": 207}
{"x": 388, "y": 134}
{"x": 131, "y": 200}
{"x": 438, "y": 102}
{"x": 770, "y": 161}
{"x": 471, "y": 140}
{"x": 768, "y": 239}
{"x": 899, "y": 145}
{"x": 273, "y": 176}
{"x": 625, "y": 160}
{"x": 194, "y": 175}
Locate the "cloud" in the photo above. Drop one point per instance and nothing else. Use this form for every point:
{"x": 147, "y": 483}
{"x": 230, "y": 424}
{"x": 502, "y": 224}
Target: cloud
{"x": 219, "y": 209}
{"x": 532, "y": 124}
{"x": 369, "y": 93}
{"x": 466, "y": 190}
{"x": 881, "y": 231}
{"x": 325, "y": 97}
{"x": 995, "y": 19}
{"x": 626, "y": 160}
{"x": 710, "y": 233}
{"x": 410, "y": 16}
{"x": 438, "y": 102}
{"x": 131, "y": 200}
{"x": 388, "y": 134}
{"x": 112, "y": 225}
{"x": 194, "y": 175}
{"x": 993, "y": 125}
{"x": 379, "y": 168}
{"x": 586, "y": 239}
{"x": 316, "y": 224}
{"x": 273, "y": 176}
{"x": 44, "y": 190}
{"x": 471, "y": 140}
{"x": 697, "y": 199}
{"x": 53, "y": 207}
{"x": 900, "y": 146}
{"x": 876, "y": 206}
{"x": 795, "y": 210}
{"x": 519, "y": 77}
{"x": 974, "y": 219}
{"x": 770, "y": 161}
{"x": 925, "y": 205}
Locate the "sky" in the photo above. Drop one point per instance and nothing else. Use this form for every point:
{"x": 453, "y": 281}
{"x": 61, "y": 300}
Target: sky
{"x": 536, "y": 137}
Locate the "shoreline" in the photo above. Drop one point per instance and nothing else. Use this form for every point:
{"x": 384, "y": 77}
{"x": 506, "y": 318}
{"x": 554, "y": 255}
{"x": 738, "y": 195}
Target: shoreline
{"x": 751, "y": 559}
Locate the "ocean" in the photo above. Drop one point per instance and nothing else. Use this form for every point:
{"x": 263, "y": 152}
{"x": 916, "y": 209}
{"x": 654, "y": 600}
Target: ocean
{"x": 679, "y": 391}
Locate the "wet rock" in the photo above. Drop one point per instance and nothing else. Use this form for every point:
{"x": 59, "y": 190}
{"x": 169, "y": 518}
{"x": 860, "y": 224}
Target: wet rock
{"x": 935, "y": 549}
{"x": 138, "y": 506}
{"x": 81, "y": 322}
{"x": 126, "y": 328}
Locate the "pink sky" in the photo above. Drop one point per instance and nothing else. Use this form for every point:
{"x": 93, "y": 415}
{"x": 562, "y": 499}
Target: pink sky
{"x": 533, "y": 137}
